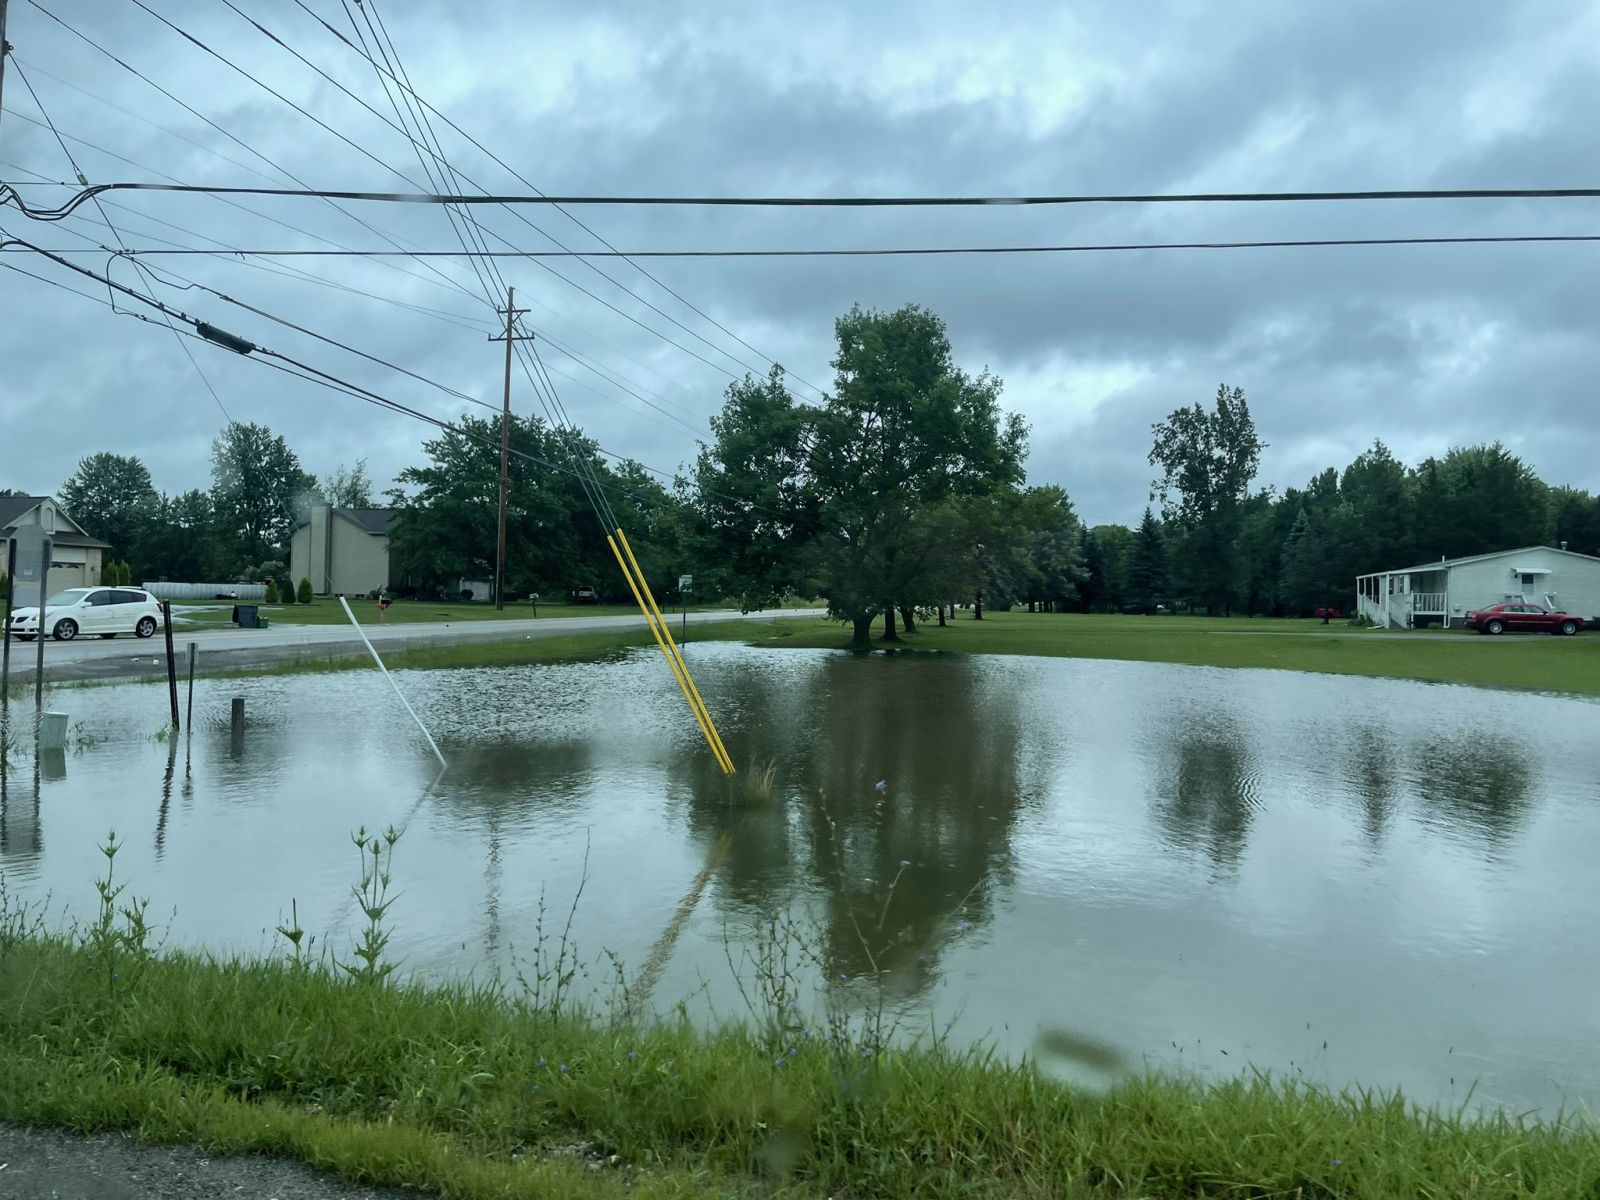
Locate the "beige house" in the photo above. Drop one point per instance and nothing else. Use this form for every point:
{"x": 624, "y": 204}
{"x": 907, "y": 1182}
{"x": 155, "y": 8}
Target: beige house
{"x": 76, "y": 558}
{"x": 342, "y": 551}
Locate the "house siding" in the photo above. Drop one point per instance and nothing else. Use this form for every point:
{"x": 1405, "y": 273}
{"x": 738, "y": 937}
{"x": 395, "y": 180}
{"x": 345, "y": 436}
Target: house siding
{"x": 338, "y": 556}
{"x": 1574, "y": 582}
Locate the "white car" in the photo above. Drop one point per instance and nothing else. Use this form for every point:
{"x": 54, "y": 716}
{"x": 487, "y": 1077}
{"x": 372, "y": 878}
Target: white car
{"x": 103, "y": 610}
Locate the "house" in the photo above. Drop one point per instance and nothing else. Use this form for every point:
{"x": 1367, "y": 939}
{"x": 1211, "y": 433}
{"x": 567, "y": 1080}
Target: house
{"x": 1444, "y": 592}
{"x": 76, "y": 557}
{"x": 342, "y": 551}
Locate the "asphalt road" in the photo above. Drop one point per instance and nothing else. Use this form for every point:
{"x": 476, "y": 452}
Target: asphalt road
{"x": 47, "y": 1165}
{"x": 98, "y": 658}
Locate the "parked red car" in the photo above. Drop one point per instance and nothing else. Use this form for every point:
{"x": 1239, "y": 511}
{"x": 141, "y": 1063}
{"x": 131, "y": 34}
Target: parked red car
{"x": 1521, "y": 617}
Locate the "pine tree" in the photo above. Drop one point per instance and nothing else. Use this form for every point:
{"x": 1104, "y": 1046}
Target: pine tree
{"x": 1303, "y": 581}
{"x": 1147, "y": 566}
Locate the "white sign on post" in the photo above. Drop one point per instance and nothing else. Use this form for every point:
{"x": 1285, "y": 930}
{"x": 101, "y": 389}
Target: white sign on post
{"x": 685, "y": 582}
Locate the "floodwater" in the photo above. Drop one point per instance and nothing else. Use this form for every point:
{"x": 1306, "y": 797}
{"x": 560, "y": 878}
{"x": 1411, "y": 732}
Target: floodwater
{"x": 1350, "y": 881}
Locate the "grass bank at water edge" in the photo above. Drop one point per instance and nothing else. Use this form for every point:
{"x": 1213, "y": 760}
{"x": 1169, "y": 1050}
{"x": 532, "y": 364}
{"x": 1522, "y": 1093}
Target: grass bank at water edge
{"x": 1527, "y": 661}
{"x": 479, "y": 1091}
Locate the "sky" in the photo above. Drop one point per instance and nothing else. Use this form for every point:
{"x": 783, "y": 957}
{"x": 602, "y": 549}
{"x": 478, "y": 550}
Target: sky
{"x": 1422, "y": 347}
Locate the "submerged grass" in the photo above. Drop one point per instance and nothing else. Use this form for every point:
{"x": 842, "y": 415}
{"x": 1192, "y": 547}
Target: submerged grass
{"x": 479, "y": 1090}
{"x": 1531, "y": 662}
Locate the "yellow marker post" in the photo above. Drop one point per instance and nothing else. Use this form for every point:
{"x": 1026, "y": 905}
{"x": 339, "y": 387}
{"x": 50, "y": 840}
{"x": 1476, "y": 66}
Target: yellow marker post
{"x": 676, "y": 653}
{"x": 702, "y": 718}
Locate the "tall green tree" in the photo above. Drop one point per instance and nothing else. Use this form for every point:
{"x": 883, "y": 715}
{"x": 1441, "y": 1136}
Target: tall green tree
{"x": 257, "y": 486}
{"x": 347, "y": 487}
{"x": 1575, "y": 519}
{"x": 756, "y": 512}
{"x": 109, "y": 495}
{"x": 1475, "y": 500}
{"x": 1304, "y": 582}
{"x": 176, "y": 540}
{"x": 1114, "y": 543}
{"x": 1148, "y": 575}
{"x": 1208, "y": 460}
{"x": 904, "y": 429}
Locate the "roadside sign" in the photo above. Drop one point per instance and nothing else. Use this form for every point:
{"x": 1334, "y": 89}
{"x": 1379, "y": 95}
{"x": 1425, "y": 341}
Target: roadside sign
{"x": 685, "y": 582}
{"x": 33, "y": 552}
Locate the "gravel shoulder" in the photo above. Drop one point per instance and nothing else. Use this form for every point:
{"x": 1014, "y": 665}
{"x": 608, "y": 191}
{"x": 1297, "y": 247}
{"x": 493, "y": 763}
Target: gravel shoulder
{"x": 38, "y": 1164}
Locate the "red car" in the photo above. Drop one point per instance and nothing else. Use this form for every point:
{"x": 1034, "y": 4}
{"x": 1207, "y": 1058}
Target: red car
{"x": 1521, "y": 617}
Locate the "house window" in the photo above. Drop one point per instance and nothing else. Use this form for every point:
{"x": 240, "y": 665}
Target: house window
{"x": 1528, "y": 581}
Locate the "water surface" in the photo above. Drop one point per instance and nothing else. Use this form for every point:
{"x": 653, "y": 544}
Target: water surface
{"x": 1350, "y": 880}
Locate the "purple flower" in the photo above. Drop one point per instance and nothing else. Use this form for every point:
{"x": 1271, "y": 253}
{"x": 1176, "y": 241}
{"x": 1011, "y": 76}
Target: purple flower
{"x": 563, "y": 1068}
{"x": 964, "y": 926}
{"x": 881, "y": 785}
{"x": 1338, "y": 1162}
{"x": 632, "y": 1054}
{"x": 779, "y": 1061}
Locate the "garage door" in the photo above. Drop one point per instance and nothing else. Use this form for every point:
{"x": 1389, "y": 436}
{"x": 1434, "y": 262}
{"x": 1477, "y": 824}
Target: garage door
{"x": 65, "y": 575}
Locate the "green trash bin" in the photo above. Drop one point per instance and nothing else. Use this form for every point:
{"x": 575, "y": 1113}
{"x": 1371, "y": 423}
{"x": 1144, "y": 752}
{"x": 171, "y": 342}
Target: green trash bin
{"x": 264, "y": 622}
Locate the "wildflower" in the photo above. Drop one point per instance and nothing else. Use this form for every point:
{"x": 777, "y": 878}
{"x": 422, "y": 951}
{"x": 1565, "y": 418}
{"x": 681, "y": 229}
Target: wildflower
{"x": 632, "y": 1054}
{"x": 905, "y": 862}
{"x": 1338, "y": 1162}
{"x": 563, "y": 1068}
{"x": 844, "y": 978}
{"x": 881, "y": 785}
{"x": 540, "y": 1063}
{"x": 964, "y": 926}
{"x": 793, "y": 1050}
{"x": 779, "y": 1061}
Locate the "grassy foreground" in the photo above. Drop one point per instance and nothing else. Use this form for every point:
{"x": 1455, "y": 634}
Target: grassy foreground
{"x": 1528, "y": 661}
{"x": 484, "y": 1091}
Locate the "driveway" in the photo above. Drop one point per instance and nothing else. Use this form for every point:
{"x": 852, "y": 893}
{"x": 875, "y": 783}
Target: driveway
{"x": 95, "y": 658}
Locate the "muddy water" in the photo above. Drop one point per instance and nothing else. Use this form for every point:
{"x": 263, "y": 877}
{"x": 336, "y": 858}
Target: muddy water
{"x": 1349, "y": 880}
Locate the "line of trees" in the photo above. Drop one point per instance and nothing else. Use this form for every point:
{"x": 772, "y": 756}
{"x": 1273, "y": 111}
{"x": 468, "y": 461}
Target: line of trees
{"x": 1220, "y": 547}
{"x": 238, "y": 529}
{"x": 897, "y": 497}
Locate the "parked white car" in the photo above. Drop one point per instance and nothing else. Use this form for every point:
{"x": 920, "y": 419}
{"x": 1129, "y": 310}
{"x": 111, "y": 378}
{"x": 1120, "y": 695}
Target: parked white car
{"x": 102, "y": 610}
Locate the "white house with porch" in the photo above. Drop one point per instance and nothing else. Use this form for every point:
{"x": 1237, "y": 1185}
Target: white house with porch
{"x": 1444, "y": 592}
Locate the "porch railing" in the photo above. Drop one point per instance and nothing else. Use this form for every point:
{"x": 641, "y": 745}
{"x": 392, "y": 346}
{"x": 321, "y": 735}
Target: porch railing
{"x": 1429, "y": 604}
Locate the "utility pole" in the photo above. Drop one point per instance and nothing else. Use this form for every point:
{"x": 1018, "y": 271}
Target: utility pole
{"x": 5, "y": 49}
{"x": 511, "y": 335}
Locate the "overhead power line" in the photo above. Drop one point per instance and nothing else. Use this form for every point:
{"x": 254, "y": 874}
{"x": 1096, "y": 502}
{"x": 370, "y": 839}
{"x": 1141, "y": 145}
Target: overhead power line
{"x": 842, "y": 201}
{"x": 905, "y": 251}
{"x": 254, "y": 352}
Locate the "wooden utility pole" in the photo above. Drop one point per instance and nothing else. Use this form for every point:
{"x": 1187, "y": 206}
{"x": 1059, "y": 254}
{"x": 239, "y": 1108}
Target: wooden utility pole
{"x": 510, "y": 335}
{"x": 5, "y": 49}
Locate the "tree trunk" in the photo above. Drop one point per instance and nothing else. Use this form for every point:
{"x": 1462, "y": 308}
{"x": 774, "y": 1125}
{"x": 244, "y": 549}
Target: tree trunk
{"x": 907, "y": 619}
{"x": 862, "y": 627}
{"x": 977, "y": 607}
{"x": 889, "y": 634}
{"x": 941, "y": 616}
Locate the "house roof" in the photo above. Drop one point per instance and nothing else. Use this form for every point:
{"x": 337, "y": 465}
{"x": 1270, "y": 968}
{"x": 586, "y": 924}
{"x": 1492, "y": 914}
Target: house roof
{"x": 1447, "y": 563}
{"x": 377, "y": 521}
{"x": 373, "y": 520}
{"x": 14, "y": 508}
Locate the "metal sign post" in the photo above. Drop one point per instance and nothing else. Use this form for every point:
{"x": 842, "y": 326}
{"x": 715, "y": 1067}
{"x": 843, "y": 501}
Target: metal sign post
{"x": 5, "y": 629}
{"x": 685, "y": 582}
{"x": 46, "y": 549}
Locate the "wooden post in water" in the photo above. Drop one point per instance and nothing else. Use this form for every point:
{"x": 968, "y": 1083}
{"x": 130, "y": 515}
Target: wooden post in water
{"x": 172, "y": 663}
{"x": 188, "y": 717}
{"x": 238, "y": 716}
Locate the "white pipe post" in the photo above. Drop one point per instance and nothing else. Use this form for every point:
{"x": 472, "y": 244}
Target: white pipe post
{"x": 361, "y": 633}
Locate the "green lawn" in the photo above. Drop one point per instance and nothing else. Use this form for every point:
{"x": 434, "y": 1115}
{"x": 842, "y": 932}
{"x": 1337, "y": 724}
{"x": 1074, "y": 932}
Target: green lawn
{"x": 482, "y": 1089}
{"x": 1528, "y": 661}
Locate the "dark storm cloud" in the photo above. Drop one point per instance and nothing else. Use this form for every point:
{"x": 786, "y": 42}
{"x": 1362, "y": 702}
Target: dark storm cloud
{"x": 1420, "y": 346}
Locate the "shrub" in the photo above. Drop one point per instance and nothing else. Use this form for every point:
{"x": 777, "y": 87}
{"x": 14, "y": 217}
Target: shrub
{"x": 5, "y": 585}
{"x": 304, "y": 594}
{"x": 272, "y": 592}
{"x": 285, "y": 591}
{"x": 466, "y": 593}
